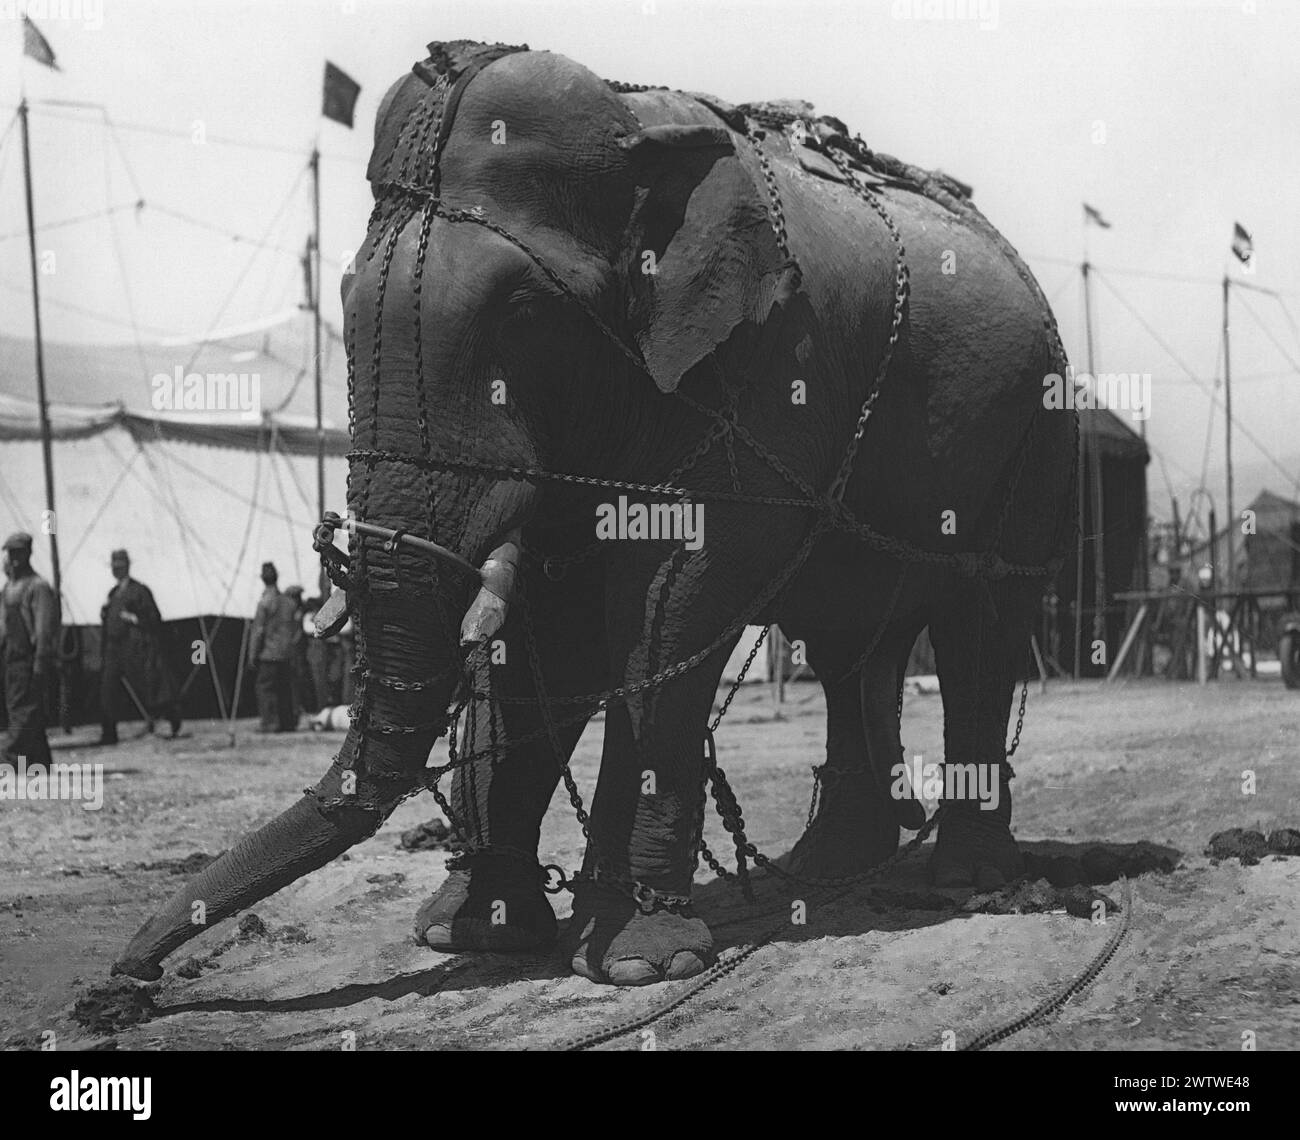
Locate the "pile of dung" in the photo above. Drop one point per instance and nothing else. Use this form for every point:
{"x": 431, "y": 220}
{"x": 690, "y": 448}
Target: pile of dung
{"x": 432, "y": 835}
{"x": 1250, "y": 846}
{"x": 1039, "y": 897}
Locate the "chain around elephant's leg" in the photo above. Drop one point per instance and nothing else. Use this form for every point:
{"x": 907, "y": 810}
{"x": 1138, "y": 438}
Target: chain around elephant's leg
{"x": 632, "y": 922}
{"x": 632, "y": 919}
{"x": 492, "y": 898}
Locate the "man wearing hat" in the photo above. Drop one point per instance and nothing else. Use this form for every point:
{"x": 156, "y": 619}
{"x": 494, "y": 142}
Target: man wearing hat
{"x": 276, "y": 633}
{"x": 133, "y": 656}
{"x": 29, "y": 629}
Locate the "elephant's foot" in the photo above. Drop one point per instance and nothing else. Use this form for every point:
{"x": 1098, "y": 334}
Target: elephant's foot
{"x": 496, "y": 905}
{"x": 609, "y": 939}
{"x": 975, "y": 848}
{"x": 854, "y": 830}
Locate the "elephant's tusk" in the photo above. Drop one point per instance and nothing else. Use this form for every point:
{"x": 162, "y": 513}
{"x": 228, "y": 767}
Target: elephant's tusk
{"x": 332, "y": 616}
{"x": 487, "y": 612}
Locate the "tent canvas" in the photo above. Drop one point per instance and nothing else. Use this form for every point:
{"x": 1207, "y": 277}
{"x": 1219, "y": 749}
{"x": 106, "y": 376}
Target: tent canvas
{"x": 200, "y": 499}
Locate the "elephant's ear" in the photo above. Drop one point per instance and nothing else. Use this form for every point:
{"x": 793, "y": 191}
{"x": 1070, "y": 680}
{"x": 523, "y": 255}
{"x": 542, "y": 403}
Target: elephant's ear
{"x": 708, "y": 260}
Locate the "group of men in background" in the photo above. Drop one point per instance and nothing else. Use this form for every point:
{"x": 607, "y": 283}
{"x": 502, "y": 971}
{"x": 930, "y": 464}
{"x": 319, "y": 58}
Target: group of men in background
{"x": 134, "y": 658}
{"x": 296, "y": 672}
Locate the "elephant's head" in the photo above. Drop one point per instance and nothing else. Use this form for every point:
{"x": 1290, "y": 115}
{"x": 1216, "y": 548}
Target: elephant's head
{"x": 542, "y": 261}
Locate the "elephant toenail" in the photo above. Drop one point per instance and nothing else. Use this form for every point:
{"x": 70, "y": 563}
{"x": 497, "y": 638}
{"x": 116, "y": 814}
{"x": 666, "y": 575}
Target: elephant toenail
{"x": 578, "y": 964}
{"x": 684, "y": 964}
{"x": 438, "y": 936}
{"x": 632, "y": 972}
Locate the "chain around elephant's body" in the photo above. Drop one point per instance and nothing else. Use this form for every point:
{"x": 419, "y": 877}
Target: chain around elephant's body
{"x": 726, "y": 427}
{"x": 828, "y": 513}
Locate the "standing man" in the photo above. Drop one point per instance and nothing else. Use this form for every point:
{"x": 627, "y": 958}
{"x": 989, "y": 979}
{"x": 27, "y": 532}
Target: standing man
{"x": 133, "y": 654}
{"x": 29, "y": 627}
{"x": 304, "y": 689}
{"x": 276, "y": 632}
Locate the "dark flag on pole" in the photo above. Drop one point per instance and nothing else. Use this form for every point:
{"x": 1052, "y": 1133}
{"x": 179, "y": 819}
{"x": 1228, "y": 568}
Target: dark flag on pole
{"x": 341, "y": 92}
{"x": 1242, "y": 245}
{"x": 36, "y": 45}
{"x": 1094, "y": 216}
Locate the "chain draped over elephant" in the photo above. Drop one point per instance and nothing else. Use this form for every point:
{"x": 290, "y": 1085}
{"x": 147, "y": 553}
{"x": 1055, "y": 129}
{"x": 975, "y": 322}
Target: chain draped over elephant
{"x": 573, "y": 293}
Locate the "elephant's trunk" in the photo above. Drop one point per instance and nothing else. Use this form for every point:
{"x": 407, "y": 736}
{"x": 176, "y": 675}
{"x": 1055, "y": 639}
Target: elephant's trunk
{"x": 294, "y": 843}
{"x": 380, "y": 763}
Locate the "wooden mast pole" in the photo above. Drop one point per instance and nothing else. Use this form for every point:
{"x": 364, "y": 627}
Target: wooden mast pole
{"x": 47, "y": 449}
{"x": 1229, "y": 571}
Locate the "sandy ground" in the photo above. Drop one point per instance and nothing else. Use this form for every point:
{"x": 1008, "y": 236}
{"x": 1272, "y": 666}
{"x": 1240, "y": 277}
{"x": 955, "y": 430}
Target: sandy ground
{"x": 1213, "y": 951}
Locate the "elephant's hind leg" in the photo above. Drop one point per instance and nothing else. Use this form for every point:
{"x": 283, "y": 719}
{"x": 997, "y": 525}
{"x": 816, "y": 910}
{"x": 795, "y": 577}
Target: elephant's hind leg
{"x": 853, "y": 827}
{"x": 975, "y": 645}
{"x": 494, "y": 899}
{"x": 857, "y": 821}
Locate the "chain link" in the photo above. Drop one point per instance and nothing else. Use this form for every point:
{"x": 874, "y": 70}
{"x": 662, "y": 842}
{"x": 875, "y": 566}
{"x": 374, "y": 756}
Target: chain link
{"x": 902, "y": 288}
{"x": 1020, "y": 720}
{"x": 776, "y": 209}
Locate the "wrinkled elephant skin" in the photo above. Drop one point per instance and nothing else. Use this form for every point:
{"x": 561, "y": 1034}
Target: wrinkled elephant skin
{"x": 562, "y": 292}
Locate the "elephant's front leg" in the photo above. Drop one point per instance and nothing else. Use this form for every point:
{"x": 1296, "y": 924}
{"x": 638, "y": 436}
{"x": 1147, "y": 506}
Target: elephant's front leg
{"x": 492, "y": 898}
{"x": 632, "y": 921}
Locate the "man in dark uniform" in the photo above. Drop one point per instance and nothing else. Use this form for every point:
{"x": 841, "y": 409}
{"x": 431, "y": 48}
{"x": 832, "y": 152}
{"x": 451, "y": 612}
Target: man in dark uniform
{"x": 132, "y": 646}
{"x": 276, "y": 633}
{"x": 29, "y": 628}
{"x": 304, "y": 688}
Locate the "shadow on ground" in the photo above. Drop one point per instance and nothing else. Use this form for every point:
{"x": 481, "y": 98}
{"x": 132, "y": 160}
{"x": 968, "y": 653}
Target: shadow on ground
{"x": 1061, "y": 877}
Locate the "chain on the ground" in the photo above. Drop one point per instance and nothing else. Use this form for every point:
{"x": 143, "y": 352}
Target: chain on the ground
{"x": 1065, "y": 993}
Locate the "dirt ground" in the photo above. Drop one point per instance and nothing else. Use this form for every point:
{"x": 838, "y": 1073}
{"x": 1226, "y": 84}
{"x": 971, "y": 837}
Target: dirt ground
{"x": 1213, "y": 950}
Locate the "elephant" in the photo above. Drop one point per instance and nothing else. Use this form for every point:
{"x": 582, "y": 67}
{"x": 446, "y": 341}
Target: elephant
{"x": 581, "y": 303}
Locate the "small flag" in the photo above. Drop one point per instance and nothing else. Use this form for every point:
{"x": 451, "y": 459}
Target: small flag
{"x": 1242, "y": 245}
{"x": 36, "y": 45}
{"x": 1094, "y": 216}
{"x": 341, "y": 92}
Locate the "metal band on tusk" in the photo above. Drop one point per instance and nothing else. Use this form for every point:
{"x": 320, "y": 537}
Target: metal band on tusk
{"x": 388, "y": 535}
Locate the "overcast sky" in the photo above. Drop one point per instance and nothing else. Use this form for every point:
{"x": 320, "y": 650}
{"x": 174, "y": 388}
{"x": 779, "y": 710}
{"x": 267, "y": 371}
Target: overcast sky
{"x": 1173, "y": 119}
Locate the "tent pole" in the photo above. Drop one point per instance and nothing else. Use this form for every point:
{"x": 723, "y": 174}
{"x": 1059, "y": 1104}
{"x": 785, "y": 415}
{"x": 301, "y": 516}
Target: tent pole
{"x": 47, "y": 450}
{"x": 316, "y": 353}
{"x": 1079, "y": 492}
{"x": 1098, "y": 500}
{"x": 1229, "y": 571}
